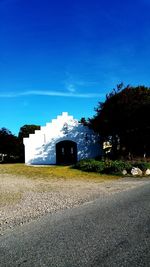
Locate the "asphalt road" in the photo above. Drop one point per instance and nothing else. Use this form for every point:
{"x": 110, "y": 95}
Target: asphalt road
{"x": 113, "y": 231}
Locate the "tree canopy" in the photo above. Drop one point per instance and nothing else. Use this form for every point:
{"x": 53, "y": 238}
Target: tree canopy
{"x": 24, "y": 131}
{"x": 11, "y": 146}
{"x": 27, "y": 129}
{"x": 8, "y": 144}
{"x": 123, "y": 119}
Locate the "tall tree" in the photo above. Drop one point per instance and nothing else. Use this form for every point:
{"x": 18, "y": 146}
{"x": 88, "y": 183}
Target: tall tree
{"x": 123, "y": 119}
{"x": 24, "y": 131}
{"x": 9, "y": 145}
{"x": 27, "y": 129}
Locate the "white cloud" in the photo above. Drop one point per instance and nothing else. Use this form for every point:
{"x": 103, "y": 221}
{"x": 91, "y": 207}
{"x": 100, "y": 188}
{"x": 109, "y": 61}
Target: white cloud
{"x": 51, "y": 93}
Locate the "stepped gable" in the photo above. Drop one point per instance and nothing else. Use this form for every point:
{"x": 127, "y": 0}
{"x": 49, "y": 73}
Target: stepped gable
{"x": 63, "y": 140}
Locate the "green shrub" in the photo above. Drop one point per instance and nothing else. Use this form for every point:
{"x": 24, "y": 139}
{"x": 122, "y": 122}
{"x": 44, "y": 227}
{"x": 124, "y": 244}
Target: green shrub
{"x": 116, "y": 167}
{"x": 108, "y": 167}
{"x": 143, "y": 166}
{"x": 90, "y": 165}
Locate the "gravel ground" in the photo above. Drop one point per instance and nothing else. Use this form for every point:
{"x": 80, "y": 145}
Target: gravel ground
{"x": 38, "y": 197}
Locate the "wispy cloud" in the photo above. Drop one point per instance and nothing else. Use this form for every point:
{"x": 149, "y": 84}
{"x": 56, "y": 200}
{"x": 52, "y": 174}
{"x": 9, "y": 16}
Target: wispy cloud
{"x": 50, "y": 93}
{"x": 71, "y": 88}
{"x": 72, "y": 82}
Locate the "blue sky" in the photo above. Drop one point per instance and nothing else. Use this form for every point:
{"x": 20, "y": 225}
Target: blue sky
{"x": 66, "y": 55}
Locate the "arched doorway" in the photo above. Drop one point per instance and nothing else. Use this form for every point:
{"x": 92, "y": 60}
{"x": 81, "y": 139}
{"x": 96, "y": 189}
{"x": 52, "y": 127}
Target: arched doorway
{"x": 66, "y": 152}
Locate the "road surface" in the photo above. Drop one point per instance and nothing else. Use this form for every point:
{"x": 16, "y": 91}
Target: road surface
{"x": 113, "y": 231}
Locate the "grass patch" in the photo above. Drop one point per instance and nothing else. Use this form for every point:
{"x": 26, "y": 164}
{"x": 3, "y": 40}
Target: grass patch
{"x": 51, "y": 172}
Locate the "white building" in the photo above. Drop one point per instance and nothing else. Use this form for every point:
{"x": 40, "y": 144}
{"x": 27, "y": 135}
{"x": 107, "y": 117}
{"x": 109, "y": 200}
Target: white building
{"x": 62, "y": 141}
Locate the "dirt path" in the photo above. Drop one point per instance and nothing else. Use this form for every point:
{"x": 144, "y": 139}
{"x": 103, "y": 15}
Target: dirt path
{"x": 23, "y": 199}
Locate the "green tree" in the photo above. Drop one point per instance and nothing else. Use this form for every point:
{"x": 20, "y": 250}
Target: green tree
{"x": 123, "y": 119}
{"x": 27, "y": 129}
{"x": 84, "y": 121}
{"x": 9, "y": 145}
{"x": 24, "y": 131}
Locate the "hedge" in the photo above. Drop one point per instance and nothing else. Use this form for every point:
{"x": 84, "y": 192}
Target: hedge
{"x": 109, "y": 166}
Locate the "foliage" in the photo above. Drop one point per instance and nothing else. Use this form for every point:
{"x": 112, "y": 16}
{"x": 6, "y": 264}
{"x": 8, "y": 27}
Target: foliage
{"x": 84, "y": 121}
{"x": 90, "y": 165}
{"x": 8, "y": 145}
{"x": 26, "y": 129}
{"x": 107, "y": 167}
{"x": 143, "y": 166}
{"x": 11, "y": 146}
{"x": 116, "y": 167}
{"x": 123, "y": 120}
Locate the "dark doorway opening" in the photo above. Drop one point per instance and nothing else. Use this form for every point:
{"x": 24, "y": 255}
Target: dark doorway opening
{"x": 66, "y": 152}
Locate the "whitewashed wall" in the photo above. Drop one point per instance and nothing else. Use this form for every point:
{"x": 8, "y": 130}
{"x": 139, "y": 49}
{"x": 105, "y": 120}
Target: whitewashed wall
{"x": 40, "y": 147}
